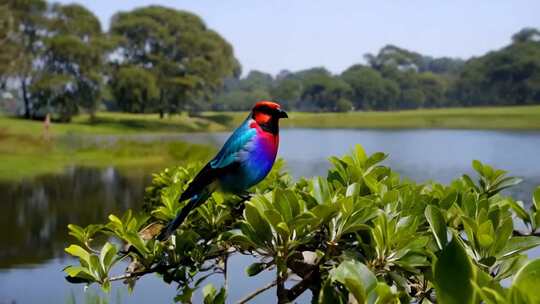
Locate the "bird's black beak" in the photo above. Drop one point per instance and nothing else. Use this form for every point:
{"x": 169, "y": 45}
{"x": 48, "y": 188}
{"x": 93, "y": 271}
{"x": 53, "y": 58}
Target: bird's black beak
{"x": 282, "y": 114}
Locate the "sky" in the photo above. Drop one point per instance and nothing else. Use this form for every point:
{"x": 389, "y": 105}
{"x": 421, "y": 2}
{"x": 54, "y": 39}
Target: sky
{"x": 271, "y": 35}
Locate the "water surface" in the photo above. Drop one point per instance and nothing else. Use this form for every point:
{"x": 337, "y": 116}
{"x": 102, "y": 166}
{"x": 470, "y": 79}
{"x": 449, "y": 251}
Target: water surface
{"x": 35, "y": 212}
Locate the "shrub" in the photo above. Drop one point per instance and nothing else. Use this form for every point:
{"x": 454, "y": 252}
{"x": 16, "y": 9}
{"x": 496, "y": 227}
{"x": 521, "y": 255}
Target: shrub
{"x": 359, "y": 234}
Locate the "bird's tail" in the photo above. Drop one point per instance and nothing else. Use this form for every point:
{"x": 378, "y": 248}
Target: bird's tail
{"x": 194, "y": 202}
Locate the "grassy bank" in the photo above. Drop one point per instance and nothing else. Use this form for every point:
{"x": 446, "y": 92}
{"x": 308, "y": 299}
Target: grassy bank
{"x": 523, "y": 118}
{"x": 113, "y": 123}
{"x": 24, "y": 152}
{"x": 25, "y": 156}
{"x": 502, "y": 118}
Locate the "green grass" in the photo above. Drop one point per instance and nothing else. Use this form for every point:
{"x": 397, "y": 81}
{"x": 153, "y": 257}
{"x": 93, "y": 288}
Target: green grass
{"x": 25, "y": 153}
{"x": 503, "y": 118}
{"x": 114, "y": 123}
{"x": 24, "y": 156}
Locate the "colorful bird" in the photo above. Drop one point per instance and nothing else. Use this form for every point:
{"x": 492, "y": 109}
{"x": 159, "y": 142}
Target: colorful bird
{"x": 245, "y": 159}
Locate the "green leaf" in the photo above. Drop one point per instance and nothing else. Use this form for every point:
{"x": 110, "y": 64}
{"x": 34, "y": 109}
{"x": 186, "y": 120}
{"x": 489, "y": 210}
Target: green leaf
{"x": 78, "y": 251}
{"x": 437, "y": 224}
{"x": 135, "y": 240}
{"x": 518, "y": 244}
{"x": 255, "y": 268}
{"x": 242, "y": 241}
{"x": 527, "y": 280}
{"x": 218, "y": 198}
{"x": 329, "y": 294}
{"x": 449, "y": 200}
{"x": 485, "y": 234}
{"x": 321, "y": 190}
{"x": 536, "y": 198}
{"x": 358, "y": 279}
{"x": 281, "y": 201}
{"x": 469, "y": 182}
{"x": 259, "y": 224}
{"x": 273, "y": 217}
{"x": 77, "y": 232}
{"x": 478, "y": 167}
{"x": 211, "y": 296}
{"x": 209, "y": 292}
{"x": 106, "y": 286}
{"x": 79, "y": 272}
{"x": 353, "y": 189}
{"x": 113, "y": 218}
{"x": 107, "y": 255}
{"x": 283, "y": 231}
{"x": 324, "y": 211}
{"x": 519, "y": 210}
{"x": 453, "y": 273}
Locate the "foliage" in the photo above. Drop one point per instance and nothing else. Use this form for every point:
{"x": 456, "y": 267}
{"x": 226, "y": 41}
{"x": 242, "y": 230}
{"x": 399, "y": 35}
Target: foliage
{"x": 60, "y": 60}
{"x": 27, "y": 27}
{"x": 134, "y": 89}
{"x": 188, "y": 60}
{"x": 396, "y": 78}
{"x": 510, "y": 76}
{"x": 361, "y": 234}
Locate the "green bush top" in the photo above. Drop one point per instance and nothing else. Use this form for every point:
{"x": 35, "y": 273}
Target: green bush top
{"x": 361, "y": 234}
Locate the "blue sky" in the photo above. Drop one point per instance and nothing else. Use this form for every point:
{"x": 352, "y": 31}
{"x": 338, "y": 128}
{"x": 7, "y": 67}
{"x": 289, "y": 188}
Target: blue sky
{"x": 273, "y": 35}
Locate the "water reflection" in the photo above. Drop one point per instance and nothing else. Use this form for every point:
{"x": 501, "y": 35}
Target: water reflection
{"x": 36, "y": 212}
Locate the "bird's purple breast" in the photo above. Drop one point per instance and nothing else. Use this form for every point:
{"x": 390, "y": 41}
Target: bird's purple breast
{"x": 263, "y": 156}
{"x": 256, "y": 161}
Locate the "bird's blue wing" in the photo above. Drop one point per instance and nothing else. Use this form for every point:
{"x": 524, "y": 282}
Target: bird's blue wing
{"x": 237, "y": 142}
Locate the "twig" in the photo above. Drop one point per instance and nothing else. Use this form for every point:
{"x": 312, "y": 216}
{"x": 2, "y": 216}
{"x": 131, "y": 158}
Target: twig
{"x": 135, "y": 274}
{"x": 257, "y": 292}
{"x": 306, "y": 282}
{"x": 161, "y": 267}
{"x": 225, "y": 277}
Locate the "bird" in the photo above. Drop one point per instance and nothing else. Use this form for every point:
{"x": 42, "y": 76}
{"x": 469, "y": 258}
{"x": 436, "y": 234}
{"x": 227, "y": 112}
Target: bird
{"x": 245, "y": 159}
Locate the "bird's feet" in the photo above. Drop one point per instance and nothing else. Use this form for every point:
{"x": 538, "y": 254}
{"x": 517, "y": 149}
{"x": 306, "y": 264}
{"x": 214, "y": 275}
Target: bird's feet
{"x": 238, "y": 208}
{"x": 245, "y": 196}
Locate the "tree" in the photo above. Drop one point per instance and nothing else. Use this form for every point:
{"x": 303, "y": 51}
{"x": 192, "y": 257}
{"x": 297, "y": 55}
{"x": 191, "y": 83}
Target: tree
{"x": 29, "y": 23}
{"x": 368, "y": 87}
{"x": 510, "y": 76}
{"x": 321, "y": 90}
{"x": 391, "y": 55}
{"x": 256, "y": 80}
{"x": 287, "y": 91}
{"x": 360, "y": 234}
{"x": 188, "y": 60}
{"x": 434, "y": 89}
{"x": 528, "y": 34}
{"x": 402, "y": 59}
{"x": 134, "y": 89}
{"x": 8, "y": 44}
{"x": 240, "y": 100}
{"x": 73, "y": 59}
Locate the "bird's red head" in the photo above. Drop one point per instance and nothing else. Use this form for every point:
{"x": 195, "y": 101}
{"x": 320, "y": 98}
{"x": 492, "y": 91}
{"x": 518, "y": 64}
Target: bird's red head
{"x": 266, "y": 111}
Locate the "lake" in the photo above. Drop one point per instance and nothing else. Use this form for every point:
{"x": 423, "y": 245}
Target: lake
{"x": 35, "y": 212}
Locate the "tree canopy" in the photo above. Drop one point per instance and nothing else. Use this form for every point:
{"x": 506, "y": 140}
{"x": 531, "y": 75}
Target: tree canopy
{"x": 188, "y": 60}
{"x": 73, "y": 62}
{"x": 396, "y": 78}
{"x": 61, "y": 61}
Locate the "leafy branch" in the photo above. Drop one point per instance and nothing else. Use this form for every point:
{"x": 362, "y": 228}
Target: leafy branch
{"x": 360, "y": 233}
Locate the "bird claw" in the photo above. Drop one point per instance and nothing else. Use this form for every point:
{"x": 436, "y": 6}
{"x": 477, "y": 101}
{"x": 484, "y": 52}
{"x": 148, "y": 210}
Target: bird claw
{"x": 245, "y": 196}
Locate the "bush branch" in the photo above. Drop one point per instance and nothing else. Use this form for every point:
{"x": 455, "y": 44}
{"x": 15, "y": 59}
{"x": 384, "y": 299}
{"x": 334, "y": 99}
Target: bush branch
{"x": 257, "y": 292}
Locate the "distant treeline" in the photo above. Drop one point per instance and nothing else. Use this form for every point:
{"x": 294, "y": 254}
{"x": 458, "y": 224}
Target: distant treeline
{"x": 397, "y": 78}
{"x": 57, "y": 59}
